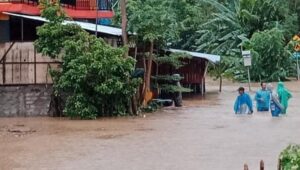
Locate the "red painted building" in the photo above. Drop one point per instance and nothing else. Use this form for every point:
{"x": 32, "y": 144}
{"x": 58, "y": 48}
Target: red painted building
{"x": 81, "y": 10}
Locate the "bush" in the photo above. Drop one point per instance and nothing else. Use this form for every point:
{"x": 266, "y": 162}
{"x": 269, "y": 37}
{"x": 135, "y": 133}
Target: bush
{"x": 290, "y": 158}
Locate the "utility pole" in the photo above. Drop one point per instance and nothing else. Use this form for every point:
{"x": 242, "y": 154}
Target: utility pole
{"x": 97, "y": 7}
{"x": 297, "y": 55}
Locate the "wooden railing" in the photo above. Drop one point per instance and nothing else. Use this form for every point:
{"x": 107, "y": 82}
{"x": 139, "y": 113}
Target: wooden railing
{"x": 262, "y": 165}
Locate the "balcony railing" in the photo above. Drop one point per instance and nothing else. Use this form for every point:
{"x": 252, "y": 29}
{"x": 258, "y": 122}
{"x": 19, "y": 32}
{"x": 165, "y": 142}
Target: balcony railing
{"x": 74, "y": 4}
{"x": 33, "y": 2}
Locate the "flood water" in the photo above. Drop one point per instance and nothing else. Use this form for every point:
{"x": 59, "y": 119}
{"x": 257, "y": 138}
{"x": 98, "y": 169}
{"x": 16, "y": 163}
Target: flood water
{"x": 202, "y": 135}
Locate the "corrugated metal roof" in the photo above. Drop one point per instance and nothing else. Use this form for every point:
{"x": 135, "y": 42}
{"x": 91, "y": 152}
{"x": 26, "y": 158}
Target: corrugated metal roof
{"x": 87, "y": 26}
{"x": 116, "y": 32}
{"x": 210, "y": 57}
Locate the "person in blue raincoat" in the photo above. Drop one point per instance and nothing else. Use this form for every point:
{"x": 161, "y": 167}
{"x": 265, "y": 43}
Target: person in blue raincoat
{"x": 275, "y": 106}
{"x": 243, "y": 103}
{"x": 284, "y": 95}
{"x": 262, "y": 98}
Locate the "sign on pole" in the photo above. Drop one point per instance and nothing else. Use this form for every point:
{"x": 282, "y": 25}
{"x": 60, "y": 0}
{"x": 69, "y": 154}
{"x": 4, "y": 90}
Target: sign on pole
{"x": 296, "y": 56}
{"x": 247, "y": 63}
{"x": 247, "y": 58}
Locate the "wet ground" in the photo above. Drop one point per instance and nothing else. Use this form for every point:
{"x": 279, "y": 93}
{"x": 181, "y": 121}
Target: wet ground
{"x": 203, "y": 135}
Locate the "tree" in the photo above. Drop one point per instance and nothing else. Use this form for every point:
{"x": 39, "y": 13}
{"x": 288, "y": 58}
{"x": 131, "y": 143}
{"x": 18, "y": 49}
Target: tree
{"x": 150, "y": 20}
{"x": 270, "y": 57}
{"x": 165, "y": 82}
{"x": 95, "y": 76}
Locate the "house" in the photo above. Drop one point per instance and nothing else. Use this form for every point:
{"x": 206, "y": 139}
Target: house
{"x": 17, "y": 53}
{"x": 78, "y": 10}
{"x": 24, "y": 73}
{"x": 193, "y": 72}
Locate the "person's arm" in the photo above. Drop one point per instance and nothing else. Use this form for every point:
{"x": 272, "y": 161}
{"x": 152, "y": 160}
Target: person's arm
{"x": 276, "y": 101}
{"x": 258, "y": 97}
{"x": 289, "y": 95}
{"x": 249, "y": 103}
{"x": 236, "y": 105}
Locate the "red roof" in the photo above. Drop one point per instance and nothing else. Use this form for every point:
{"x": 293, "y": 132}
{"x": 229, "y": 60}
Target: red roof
{"x": 73, "y": 13}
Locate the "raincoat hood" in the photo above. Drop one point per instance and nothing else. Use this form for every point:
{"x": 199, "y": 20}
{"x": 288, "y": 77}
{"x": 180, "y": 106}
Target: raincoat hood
{"x": 280, "y": 86}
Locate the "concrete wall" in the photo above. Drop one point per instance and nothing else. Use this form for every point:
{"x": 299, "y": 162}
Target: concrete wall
{"x": 24, "y": 101}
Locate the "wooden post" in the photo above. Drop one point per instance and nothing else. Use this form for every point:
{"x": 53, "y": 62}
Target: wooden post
{"x": 203, "y": 78}
{"x": 3, "y": 69}
{"x": 20, "y": 68}
{"x": 22, "y": 30}
{"x": 279, "y": 164}
{"x": 262, "y": 165}
{"x": 246, "y": 167}
{"x": 34, "y": 53}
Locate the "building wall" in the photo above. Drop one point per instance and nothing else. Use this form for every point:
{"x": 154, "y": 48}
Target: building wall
{"x": 24, "y": 101}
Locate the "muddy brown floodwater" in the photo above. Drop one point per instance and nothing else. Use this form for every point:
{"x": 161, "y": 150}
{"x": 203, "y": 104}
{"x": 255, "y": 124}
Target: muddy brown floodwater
{"x": 202, "y": 135}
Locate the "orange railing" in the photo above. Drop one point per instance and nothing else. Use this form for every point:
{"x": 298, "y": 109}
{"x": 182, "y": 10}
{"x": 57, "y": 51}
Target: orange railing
{"x": 74, "y": 4}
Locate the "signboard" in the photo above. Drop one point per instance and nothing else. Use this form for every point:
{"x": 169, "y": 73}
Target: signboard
{"x": 247, "y": 58}
{"x": 296, "y": 38}
{"x": 296, "y": 55}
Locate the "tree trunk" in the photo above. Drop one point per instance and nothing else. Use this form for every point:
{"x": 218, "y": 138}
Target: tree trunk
{"x": 148, "y": 73}
{"x": 220, "y": 86}
{"x": 124, "y": 22}
{"x": 56, "y": 105}
{"x": 132, "y": 107}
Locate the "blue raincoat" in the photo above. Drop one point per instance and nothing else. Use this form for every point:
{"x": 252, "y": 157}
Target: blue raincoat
{"x": 262, "y": 98}
{"x": 243, "y": 104}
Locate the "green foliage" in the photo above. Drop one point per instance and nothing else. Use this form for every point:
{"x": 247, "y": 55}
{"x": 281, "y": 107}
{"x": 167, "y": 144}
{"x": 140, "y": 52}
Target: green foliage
{"x": 169, "y": 88}
{"x": 52, "y": 34}
{"x": 167, "y": 83}
{"x": 96, "y": 76}
{"x": 290, "y": 158}
{"x": 167, "y": 78}
{"x": 235, "y": 22}
{"x": 150, "y": 19}
{"x": 270, "y": 57}
{"x": 175, "y": 60}
{"x": 217, "y": 26}
{"x": 188, "y": 14}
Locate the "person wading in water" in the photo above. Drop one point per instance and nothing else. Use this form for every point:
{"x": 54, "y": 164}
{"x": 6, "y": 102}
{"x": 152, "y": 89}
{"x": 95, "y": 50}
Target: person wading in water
{"x": 262, "y": 98}
{"x": 284, "y": 95}
{"x": 243, "y": 103}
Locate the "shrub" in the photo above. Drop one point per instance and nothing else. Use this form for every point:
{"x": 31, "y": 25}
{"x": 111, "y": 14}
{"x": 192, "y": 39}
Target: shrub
{"x": 290, "y": 158}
